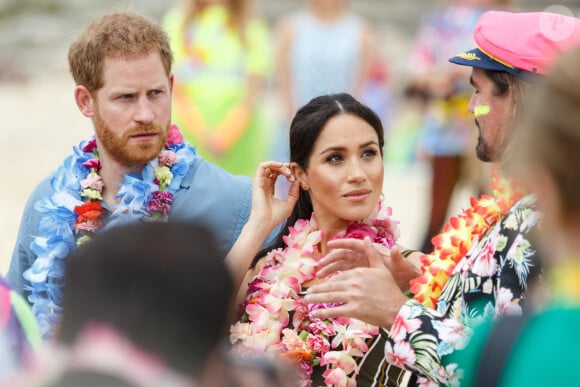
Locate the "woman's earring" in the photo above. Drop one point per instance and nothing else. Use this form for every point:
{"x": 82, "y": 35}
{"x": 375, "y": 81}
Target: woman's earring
{"x": 305, "y": 186}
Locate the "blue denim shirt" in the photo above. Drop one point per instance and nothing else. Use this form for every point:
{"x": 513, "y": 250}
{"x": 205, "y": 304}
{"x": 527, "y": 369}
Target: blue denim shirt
{"x": 208, "y": 194}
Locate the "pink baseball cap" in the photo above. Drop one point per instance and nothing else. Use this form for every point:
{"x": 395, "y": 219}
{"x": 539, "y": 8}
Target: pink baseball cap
{"x": 521, "y": 44}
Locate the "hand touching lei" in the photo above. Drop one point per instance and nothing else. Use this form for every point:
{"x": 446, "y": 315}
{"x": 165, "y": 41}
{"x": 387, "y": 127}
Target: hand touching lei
{"x": 276, "y": 318}
{"x": 74, "y": 212}
{"x": 459, "y": 234}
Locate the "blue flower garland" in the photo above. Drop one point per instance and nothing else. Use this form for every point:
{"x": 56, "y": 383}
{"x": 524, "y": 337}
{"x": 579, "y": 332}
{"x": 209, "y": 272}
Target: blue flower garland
{"x": 57, "y": 239}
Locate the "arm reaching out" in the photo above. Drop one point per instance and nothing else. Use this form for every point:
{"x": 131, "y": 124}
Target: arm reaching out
{"x": 267, "y": 212}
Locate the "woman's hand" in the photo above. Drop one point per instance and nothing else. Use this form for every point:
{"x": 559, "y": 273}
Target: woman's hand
{"x": 267, "y": 212}
{"x": 347, "y": 254}
{"x": 267, "y": 209}
{"x": 370, "y": 294}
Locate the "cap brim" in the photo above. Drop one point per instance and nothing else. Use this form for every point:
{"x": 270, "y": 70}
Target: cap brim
{"x": 479, "y": 59}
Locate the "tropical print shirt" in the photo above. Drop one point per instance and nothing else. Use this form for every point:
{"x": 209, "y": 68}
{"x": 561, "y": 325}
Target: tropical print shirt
{"x": 490, "y": 281}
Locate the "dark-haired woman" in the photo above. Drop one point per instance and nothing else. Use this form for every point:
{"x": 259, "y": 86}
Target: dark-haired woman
{"x": 336, "y": 149}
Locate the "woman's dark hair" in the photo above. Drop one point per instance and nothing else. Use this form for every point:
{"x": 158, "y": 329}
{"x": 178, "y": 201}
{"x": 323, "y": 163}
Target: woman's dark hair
{"x": 163, "y": 286}
{"x": 305, "y": 128}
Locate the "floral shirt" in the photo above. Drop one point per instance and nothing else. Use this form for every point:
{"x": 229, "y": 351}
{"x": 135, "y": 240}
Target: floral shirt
{"x": 490, "y": 281}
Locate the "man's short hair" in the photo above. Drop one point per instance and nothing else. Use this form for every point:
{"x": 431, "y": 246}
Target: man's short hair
{"x": 163, "y": 286}
{"x": 116, "y": 35}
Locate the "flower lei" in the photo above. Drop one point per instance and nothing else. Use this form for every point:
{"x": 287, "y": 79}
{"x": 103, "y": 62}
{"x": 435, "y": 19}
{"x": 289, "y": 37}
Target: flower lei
{"x": 267, "y": 325}
{"x": 90, "y": 213}
{"x": 459, "y": 234}
{"x": 68, "y": 222}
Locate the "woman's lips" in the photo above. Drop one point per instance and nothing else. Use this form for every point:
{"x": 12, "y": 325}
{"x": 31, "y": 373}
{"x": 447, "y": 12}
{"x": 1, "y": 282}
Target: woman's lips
{"x": 358, "y": 195}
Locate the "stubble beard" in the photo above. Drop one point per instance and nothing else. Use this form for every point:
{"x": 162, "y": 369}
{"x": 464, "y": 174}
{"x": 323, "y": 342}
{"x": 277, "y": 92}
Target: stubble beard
{"x": 482, "y": 149}
{"x": 119, "y": 148}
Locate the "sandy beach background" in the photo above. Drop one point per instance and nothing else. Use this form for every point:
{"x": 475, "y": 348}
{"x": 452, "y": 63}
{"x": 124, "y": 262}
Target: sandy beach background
{"x": 42, "y": 123}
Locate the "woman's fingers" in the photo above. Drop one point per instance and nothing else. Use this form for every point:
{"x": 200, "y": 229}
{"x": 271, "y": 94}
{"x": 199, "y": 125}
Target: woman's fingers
{"x": 273, "y": 169}
{"x": 340, "y": 260}
{"x": 265, "y": 205}
{"x": 347, "y": 254}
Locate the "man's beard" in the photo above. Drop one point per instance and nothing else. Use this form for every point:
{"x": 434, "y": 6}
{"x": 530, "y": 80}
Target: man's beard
{"x": 482, "y": 149}
{"x": 117, "y": 145}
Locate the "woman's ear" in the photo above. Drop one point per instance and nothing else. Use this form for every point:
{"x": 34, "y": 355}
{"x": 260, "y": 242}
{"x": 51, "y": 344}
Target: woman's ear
{"x": 300, "y": 175}
{"x": 84, "y": 101}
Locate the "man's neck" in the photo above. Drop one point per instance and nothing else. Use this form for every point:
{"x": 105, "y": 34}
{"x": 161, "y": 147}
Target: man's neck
{"x": 113, "y": 175}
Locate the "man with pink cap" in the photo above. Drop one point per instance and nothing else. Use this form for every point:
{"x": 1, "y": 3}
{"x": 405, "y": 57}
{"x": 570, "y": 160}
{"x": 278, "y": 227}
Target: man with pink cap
{"x": 485, "y": 258}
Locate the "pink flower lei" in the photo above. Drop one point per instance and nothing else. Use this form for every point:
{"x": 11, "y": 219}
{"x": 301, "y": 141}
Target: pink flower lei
{"x": 276, "y": 319}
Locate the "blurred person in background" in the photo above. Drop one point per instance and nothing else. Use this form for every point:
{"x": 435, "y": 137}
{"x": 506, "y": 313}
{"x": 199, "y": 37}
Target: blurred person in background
{"x": 20, "y": 338}
{"x": 321, "y": 48}
{"x": 222, "y": 61}
{"x": 377, "y": 92}
{"x": 540, "y": 349}
{"x": 446, "y": 136}
{"x": 144, "y": 305}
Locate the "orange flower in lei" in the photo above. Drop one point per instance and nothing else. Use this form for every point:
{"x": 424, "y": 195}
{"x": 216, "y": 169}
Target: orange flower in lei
{"x": 458, "y": 236}
{"x": 89, "y": 215}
